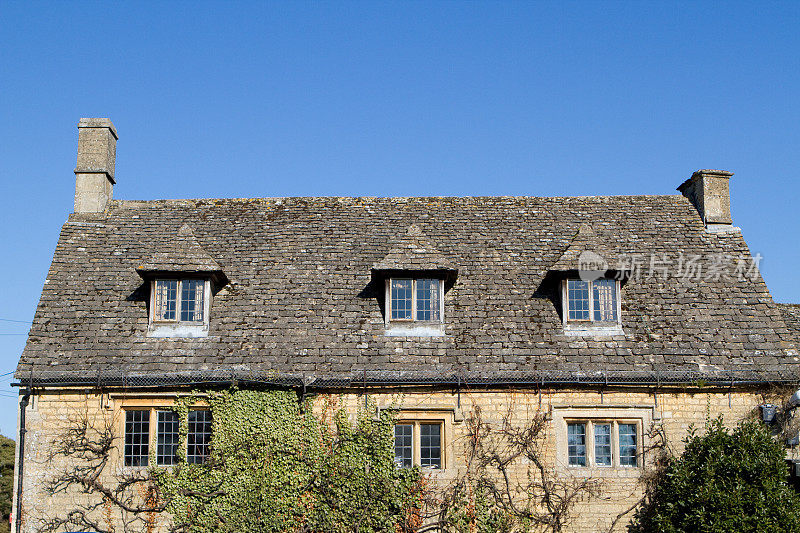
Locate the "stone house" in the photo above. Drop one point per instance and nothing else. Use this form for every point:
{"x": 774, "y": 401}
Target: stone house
{"x": 609, "y": 313}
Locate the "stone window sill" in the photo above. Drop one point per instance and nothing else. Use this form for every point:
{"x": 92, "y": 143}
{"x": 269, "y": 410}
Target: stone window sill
{"x": 414, "y": 329}
{"x": 167, "y": 331}
{"x": 587, "y": 329}
{"x": 600, "y": 471}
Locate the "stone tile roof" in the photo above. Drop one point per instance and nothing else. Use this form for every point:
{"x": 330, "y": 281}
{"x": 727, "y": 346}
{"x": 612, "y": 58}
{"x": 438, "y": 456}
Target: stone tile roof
{"x": 301, "y": 299}
{"x": 791, "y": 316}
{"x": 181, "y": 253}
{"x": 586, "y": 240}
{"x": 413, "y": 251}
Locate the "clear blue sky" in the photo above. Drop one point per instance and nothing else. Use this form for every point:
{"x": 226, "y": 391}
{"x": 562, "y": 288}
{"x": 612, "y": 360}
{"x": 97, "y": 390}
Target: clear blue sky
{"x": 385, "y": 99}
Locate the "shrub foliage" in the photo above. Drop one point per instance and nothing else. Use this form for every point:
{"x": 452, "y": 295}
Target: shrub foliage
{"x": 725, "y": 481}
{"x": 277, "y": 467}
{"x": 274, "y": 467}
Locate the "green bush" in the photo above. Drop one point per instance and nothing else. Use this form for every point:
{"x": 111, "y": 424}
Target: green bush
{"x": 723, "y": 482}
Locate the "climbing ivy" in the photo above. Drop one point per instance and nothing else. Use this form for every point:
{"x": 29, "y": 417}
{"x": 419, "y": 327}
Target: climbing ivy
{"x": 274, "y": 466}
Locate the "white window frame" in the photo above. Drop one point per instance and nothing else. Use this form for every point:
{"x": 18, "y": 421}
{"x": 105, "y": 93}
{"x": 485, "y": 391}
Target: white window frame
{"x": 416, "y": 441}
{"x": 206, "y": 303}
{"x": 413, "y": 318}
{"x": 591, "y": 320}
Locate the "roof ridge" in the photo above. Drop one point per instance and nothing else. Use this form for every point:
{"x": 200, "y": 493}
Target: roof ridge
{"x": 122, "y": 202}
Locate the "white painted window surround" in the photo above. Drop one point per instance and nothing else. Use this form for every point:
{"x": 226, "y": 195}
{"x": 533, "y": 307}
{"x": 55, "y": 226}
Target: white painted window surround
{"x": 179, "y": 308}
{"x": 414, "y": 307}
{"x": 591, "y": 308}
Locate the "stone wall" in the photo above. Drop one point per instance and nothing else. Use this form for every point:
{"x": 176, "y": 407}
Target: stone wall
{"x": 51, "y": 413}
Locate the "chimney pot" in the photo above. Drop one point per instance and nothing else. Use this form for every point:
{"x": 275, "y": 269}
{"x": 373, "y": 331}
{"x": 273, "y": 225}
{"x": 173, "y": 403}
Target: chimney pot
{"x": 94, "y": 172}
{"x": 709, "y": 192}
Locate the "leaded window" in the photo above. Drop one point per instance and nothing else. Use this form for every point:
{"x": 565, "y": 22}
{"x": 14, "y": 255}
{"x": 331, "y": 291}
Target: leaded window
{"x": 430, "y": 445}
{"x": 199, "y": 437}
{"x": 604, "y": 300}
{"x": 166, "y": 300}
{"x": 592, "y": 301}
{"x": 137, "y": 437}
{"x": 420, "y": 443}
{"x": 627, "y": 445}
{"x": 578, "y": 298}
{"x": 192, "y": 300}
{"x": 179, "y": 300}
{"x": 402, "y": 299}
{"x": 427, "y": 303}
{"x": 576, "y": 444}
{"x": 403, "y": 445}
{"x": 602, "y": 444}
{"x": 168, "y": 438}
{"x": 415, "y": 300}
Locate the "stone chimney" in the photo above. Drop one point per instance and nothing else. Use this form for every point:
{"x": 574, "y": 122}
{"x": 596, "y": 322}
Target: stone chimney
{"x": 708, "y": 191}
{"x": 94, "y": 173}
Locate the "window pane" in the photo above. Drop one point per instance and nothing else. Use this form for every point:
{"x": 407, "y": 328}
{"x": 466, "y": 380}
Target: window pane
{"x": 428, "y": 299}
{"x": 137, "y": 437}
{"x": 166, "y": 299}
{"x": 627, "y": 444}
{"x": 578, "y": 299}
{"x": 167, "y": 438}
{"x": 402, "y": 445}
{"x": 576, "y": 444}
{"x": 430, "y": 448}
{"x": 602, "y": 444}
{"x": 199, "y": 437}
{"x": 192, "y": 300}
{"x": 604, "y": 293}
{"x": 401, "y": 299}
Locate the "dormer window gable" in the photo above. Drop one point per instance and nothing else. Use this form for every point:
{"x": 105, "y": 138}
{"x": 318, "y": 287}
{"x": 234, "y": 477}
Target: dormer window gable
{"x": 180, "y": 276}
{"x": 590, "y": 292}
{"x": 415, "y": 276}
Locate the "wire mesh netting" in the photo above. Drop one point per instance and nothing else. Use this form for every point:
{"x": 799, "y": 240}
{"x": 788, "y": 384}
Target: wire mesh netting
{"x": 370, "y": 378}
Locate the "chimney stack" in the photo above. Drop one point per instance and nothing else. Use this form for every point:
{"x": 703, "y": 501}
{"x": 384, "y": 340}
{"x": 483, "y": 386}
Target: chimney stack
{"x": 708, "y": 191}
{"x": 94, "y": 173}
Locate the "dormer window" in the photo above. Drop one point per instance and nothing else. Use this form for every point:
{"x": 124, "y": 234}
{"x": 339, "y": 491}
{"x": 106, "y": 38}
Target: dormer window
{"x": 179, "y": 300}
{"x": 415, "y": 300}
{"x": 180, "y": 276}
{"x": 179, "y": 307}
{"x": 414, "y": 307}
{"x": 591, "y": 307}
{"x": 415, "y": 275}
{"x": 592, "y": 301}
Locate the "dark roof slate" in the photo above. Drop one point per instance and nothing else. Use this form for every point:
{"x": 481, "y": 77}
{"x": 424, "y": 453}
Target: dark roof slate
{"x": 301, "y": 299}
{"x": 791, "y": 316}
